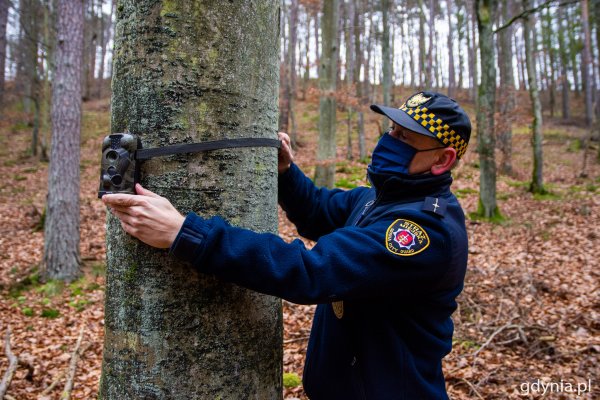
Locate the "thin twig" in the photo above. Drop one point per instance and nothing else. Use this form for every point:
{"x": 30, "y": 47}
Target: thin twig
{"x": 508, "y": 325}
{"x": 527, "y": 13}
{"x": 13, "y": 363}
{"x": 66, "y": 394}
{"x": 473, "y": 388}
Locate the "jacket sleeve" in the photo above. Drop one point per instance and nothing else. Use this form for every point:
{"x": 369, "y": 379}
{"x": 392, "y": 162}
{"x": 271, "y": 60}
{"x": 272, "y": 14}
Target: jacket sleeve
{"x": 314, "y": 211}
{"x": 351, "y": 262}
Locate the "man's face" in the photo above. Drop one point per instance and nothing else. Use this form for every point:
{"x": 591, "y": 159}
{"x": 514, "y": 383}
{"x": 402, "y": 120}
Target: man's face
{"x": 422, "y": 161}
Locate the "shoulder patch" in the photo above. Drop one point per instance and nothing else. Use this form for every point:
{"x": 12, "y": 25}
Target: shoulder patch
{"x": 406, "y": 238}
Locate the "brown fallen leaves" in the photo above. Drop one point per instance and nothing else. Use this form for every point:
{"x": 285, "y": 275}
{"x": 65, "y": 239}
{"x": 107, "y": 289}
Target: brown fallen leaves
{"x": 529, "y": 310}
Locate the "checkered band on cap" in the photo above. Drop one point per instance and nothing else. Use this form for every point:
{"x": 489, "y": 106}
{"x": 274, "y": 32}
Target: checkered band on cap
{"x": 436, "y": 126}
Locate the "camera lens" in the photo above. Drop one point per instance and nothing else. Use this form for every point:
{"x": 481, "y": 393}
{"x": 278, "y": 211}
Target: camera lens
{"x": 116, "y": 179}
{"x": 111, "y": 170}
{"x": 112, "y": 155}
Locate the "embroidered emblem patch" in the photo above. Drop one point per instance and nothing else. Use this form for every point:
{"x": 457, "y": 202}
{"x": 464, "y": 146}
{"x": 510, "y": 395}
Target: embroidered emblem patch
{"x": 406, "y": 238}
{"x": 338, "y": 309}
{"x": 417, "y": 100}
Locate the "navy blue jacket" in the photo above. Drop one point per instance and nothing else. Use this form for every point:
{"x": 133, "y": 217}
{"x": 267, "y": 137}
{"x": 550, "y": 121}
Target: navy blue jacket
{"x": 387, "y": 266}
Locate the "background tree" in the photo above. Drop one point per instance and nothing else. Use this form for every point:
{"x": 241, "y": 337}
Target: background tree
{"x": 485, "y": 110}
{"x": 61, "y": 239}
{"x": 537, "y": 179}
{"x": 326, "y": 153}
{"x": 506, "y": 102}
{"x": 564, "y": 64}
{"x": 170, "y": 332}
{"x": 587, "y": 78}
{"x": 4, "y": 4}
{"x": 386, "y": 55}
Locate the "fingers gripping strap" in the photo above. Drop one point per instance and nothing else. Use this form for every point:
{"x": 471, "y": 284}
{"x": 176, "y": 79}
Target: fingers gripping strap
{"x": 145, "y": 154}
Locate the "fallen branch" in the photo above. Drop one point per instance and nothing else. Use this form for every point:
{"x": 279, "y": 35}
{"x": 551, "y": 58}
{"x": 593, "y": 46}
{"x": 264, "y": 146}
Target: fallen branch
{"x": 473, "y": 388}
{"x": 13, "y": 363}
{"x": 66, "y": 394}
{"x": 508, "y": 325}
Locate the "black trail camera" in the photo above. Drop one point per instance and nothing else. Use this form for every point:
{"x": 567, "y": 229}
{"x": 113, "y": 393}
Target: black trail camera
{"x": 119, "y": 168}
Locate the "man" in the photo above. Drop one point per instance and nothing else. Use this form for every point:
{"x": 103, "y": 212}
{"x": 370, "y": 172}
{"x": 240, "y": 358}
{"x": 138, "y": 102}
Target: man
{"x": 387, "y": 266}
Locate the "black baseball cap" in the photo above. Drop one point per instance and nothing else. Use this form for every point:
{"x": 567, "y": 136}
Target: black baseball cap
{"x": 435, "y": 115}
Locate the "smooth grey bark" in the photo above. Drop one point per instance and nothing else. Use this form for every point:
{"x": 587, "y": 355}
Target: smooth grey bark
{"x": 386, "y": 58}
{"x": 506, "y": 103}
{"x": 190, "y": 71}
{"x": 422, "y": 48}
{"x": 488, "y": 208}
{"x": 460, "y": 30}
{"x": 291, "y": 69}
{"x": 359, "y": 32}
{"x": 575, "y": 45}
{"x": 4, "y": 4}
{"x": 451, "y": 70}
{"x": 326, "y": 152}
{"x": 587, "y": 78}
{"x": 473, "y": 52}
{"x": 537, "y": 178}
{"x": 564, "y": 65}
{"x": 431, "y": 48}
{"x": 61, "y": 239}
{"x": 350, "y": 66}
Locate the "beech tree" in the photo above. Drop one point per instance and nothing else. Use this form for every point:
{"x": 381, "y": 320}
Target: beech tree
{"x": 190, "y": 71}
{"x": 3, "y": 19}
{"x": 328, "y": 65}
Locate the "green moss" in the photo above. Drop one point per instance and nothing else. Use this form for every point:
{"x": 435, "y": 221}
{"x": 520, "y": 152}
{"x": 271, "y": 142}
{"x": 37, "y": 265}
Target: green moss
{"x": 518, "y": 184}
{"x": 461, "y": 193}
{"x": 546, "y": 195}
{"x": 130, "y": 274}
{"x": 80, "y": 305}
{"x": 574, "y": 146}
{"x": 344, "y": 183}
{"x": 27, "y": 311}
{"x": 26, "y": 284}
{"x": 51, "y": 288}
{"x": 291, "y": 380}
{"x": 50, "y": 313}
{"x": 495, "y": 218}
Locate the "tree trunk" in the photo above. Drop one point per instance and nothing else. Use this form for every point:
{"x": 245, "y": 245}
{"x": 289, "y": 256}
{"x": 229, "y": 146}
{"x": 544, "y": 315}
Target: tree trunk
{"x": 350, "y": 67}
{"x": 587, "y": 81}
{"x": 3, "y": 19}
{"x": 564, "y": 64}
{"x": 506, "y": 103}
{"x": 460, "y": 26}
{"x": 431, "y": 48}
{"x": 473, "y": 53}
{"x": 291, "y": 67}
{"x": 358, "y": 33}
{"x": 61, "y": 247}
{"x": 325, "y": 171}
{"x": 104, "y": 31}
{"x": 485, "y": 110}
{"x": 172, "y": 333}
{"x": 574, "y": 47}
{"x": 386, "y": 59}
{"x": 537, "y": 181}
{"x": 422, "y": 49}
{"x": 451, "y": 72}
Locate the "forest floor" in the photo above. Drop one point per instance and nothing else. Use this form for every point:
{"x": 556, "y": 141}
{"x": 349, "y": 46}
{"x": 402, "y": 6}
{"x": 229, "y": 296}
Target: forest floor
{"x": 530, "y": 309}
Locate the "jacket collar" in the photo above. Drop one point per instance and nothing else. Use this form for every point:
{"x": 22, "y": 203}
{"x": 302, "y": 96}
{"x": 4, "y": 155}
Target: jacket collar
{"x": 400, "y": 187}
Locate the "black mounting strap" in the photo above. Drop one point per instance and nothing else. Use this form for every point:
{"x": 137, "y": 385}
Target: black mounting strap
{"x": 145, "y": 154}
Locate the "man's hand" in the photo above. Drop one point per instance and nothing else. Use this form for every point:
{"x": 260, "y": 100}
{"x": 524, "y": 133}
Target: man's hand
{"x": 286, "y": 156}
{"x": 147, "y": 216}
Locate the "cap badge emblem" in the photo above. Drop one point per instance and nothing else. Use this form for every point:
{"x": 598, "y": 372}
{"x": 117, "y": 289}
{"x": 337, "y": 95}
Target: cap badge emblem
{"x": 417, "y": 100}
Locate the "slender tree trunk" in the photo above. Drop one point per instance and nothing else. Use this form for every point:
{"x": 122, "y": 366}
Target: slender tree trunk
{"x": 61, "y": 247}
{"x": 104, "y": 31}
{"x": 317, "y": 36}
{"x": 349, "y": 45}
{"x": 4, "y": 4}
{"x": 451, "y": 71}
{"x": 488, "y": 208}
{"x": 386, "y": 59}
{"x": 171, "y": 333}
{"x": 537, "y": 178}
{"x": 564, "y": 65}
{"x": 431, "y": 48}
{"x": 506, "y": 102}
{"x": 473, "y": 53}
{"x": 326, "y": 154}
{"x": 422, "y": 48}
{"x": 284, "y": 82}
{"x": 574, "y": 46}
{"x": 291, "y": 61}
{"x": 587, "y": 81}
{"x": 306, "y": 77}
{"x": 460, "y": 26}
{"x": 358, "y": 51}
